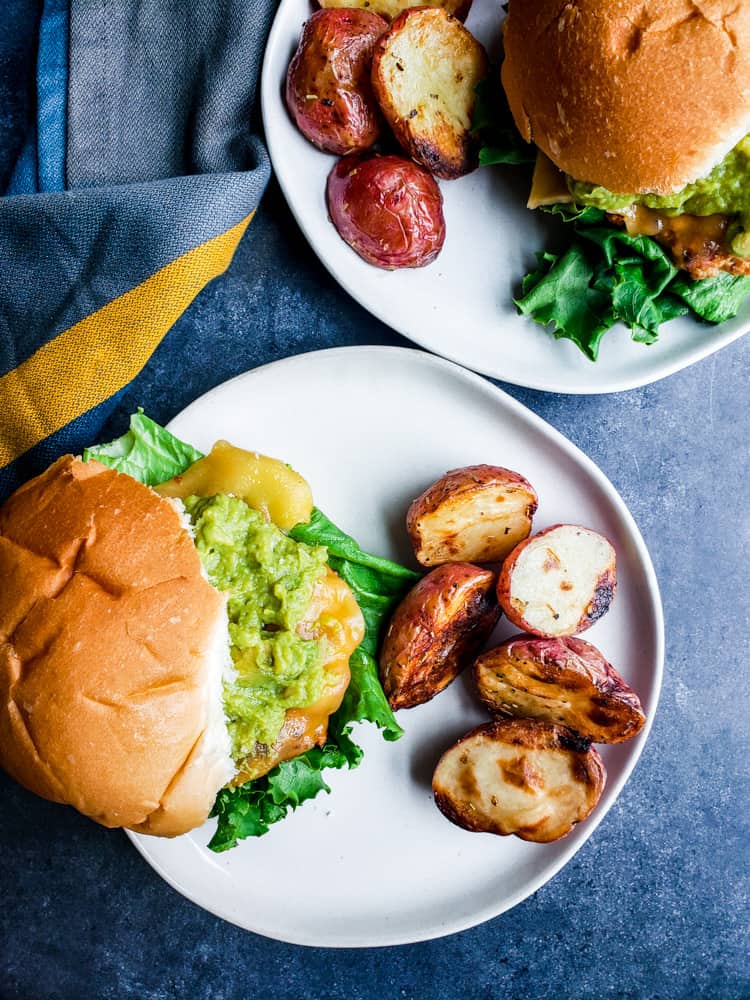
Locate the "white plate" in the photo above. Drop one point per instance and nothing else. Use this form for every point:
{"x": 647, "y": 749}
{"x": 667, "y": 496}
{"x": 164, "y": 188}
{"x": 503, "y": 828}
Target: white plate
{"x": 375, "y": 863}
{"x": 461, "y": 305}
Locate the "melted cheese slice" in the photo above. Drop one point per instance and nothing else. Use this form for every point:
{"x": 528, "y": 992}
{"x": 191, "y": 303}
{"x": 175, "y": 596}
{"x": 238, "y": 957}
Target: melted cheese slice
{"x": 548, "y": 185}
{"x": 265, "y": 484}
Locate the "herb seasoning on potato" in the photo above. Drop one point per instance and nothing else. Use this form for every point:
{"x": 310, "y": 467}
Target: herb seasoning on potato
{"x": 559, "y": 582}
{"x": 425, "y": 70}
{"x": 328, "y": 89}
{"x": 475, "y": 514}
{"x": 435, "y": 631}
{"x": 564, "y": 680}
{"x": 519, "y": 776}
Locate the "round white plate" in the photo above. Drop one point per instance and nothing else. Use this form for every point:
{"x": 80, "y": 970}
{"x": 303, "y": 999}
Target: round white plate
{"x": 461, "y": 306}
{"x": 375, "y": 863}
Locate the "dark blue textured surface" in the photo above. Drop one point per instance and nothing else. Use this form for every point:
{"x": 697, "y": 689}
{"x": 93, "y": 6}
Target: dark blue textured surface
{"x": 656, "y": 903}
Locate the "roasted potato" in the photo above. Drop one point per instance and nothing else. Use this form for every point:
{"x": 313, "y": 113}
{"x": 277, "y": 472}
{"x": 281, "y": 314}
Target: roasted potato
{"x": 520, "y": 776}
{"x": 558, "y": 582}
{"x": 328, "y": 85}
{"x": 476, "y": 514}
{"x": 425, "y": 69}
{"x": 390, "y": 9}
{"x": 388, "y": 209}
{"x": 435, "y": 631}
{"x": 559, "y": 680}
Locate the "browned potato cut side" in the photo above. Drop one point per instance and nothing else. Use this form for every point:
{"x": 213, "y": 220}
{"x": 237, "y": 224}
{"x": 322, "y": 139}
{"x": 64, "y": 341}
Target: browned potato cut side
{"x": 476, "y": 514}
{"x": 435, "y": 631}
{"x": 391, "y": 9}
{"x": 328, "y": 84}
{"x": 565, "y": 681}
{"x": 519, "y": 776}
{"x": 424, "y": 73}
{"x": 558, "y": 582}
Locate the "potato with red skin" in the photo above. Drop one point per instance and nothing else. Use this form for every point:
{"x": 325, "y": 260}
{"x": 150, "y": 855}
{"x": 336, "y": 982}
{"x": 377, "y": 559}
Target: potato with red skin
{"x": 391, "y": 9}
{"x": 328, "y": 88}
{"x": 519, "y": 776}
{"x": 388, "y": 209}
{"x": 435, "y": 631}
{"x": 474, "y": 514}
{"x": 564, "y": 680}
{"x": 558, "y": 582}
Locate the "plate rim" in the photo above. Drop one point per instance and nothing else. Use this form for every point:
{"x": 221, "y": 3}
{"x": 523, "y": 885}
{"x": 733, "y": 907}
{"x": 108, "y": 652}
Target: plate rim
{"x": 271, "y": 102}
{"x": 413, "y": 355}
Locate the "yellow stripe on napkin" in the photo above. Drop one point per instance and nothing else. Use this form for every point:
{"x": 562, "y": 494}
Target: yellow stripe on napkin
{"x": 92, "y": 360}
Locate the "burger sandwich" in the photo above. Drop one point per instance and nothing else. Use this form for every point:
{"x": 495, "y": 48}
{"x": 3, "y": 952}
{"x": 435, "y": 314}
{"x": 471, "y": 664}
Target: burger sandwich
{"x": 640, "y": 109}
{"x": 640, "y": 117}
{"x": 174, "y": 637}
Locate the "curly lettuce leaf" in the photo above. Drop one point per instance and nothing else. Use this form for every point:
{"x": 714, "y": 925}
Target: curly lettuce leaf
{"x": 147, "y": 452}
{"x": 250, "y": 810}
{"x": 608, "y": 276}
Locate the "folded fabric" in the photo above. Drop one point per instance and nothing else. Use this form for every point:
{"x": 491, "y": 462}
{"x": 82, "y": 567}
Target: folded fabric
{"x": 140, "y": 174}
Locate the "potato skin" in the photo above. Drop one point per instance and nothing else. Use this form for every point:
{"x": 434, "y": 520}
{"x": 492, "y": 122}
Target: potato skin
{"x": 519, "y": 776}
{"x": 576, "y": 575}
{"x": 328, "y": 88}
{"x": 425, "y": 70}
{"x": 391, "y": 9}
{"x": 388, "y": 209}
{"x": 564, "y": 680}
{"x": 435, "y": 631}
{"x": 475, "y": 514}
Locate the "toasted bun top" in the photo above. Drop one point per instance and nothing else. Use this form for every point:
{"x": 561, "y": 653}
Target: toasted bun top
{"x": 633, "y": 95}
{"x": 112, "y": 646}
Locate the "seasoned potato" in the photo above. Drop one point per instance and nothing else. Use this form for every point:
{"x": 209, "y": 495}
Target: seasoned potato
{"x": 476, "y": 514}
{"x": 558, "y": 582}
{"x": 390, "y": 9}
{"x": 520, "y": 776}
{"x": 559, "y": 680}
{"x": 424, "y": 73}
{"x": 435, "y": 631}
{"x": 328, "y": 86}
{"x": 388, "y": 209}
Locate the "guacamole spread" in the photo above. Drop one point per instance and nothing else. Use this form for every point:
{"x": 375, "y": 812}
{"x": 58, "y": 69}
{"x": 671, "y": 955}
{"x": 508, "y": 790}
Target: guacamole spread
{"x": 725, "y": 191}
{"x": 269, "y": 579}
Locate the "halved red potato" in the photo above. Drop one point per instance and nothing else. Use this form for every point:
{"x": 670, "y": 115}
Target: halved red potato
{"x": 390, "y": 9}
{"x": 435, "y": 631}
{"x": 424, "y": 73}
{"x": 565, "y": 681}
{"x": 328, "y": 84}
{"x": 476, "y": 514}
{"x": 558, "y": 582}
{"x": 519, "y": 776}
{"x": 388, "y": 209}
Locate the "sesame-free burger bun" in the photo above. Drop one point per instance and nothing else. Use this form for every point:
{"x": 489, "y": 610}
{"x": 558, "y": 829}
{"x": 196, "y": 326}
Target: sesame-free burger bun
{"x": 633, "y": 95}
{"x": 112, "y": 645}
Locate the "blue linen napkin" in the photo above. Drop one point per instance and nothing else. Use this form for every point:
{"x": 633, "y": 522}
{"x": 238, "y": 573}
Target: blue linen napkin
{"x": 141, "y": 171}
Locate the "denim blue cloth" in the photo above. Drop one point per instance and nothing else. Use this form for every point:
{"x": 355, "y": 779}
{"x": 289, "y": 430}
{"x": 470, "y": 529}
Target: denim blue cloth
{"x": 41, "y": 165}
{"x": 142, "y": 147}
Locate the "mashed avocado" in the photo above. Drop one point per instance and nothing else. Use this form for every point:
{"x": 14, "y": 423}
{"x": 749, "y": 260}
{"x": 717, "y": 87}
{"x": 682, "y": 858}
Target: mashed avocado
{"x": 725, "y": 191}
{"x": 269, "y": 579}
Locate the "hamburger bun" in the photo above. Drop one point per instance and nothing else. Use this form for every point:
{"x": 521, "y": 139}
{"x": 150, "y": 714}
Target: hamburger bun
{"x": 633, "y": 95}
{"x": 112, "y": 649}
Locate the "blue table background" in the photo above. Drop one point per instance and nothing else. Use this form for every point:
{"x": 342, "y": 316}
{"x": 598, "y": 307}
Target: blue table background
{"x": 655, "y": 905}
